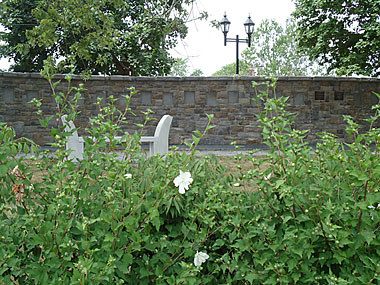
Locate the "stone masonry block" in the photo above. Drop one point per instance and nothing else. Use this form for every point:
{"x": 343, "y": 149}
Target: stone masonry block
{"x": 8, "y": 95}
{"x": 233, "y": 97}
{"x": 167, "y": 99}
{"x": 211, "y": 99}
{"x": 189, "y": 97}
{"x": 299, "y": 99}
{"x": 30, "y": 95}
{"x": 146, "y": 98}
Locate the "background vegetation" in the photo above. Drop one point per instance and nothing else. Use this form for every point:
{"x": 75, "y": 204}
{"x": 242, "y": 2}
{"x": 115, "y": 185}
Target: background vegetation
{"x": 134, "y": 37}
{"x": 343, "y": 34}
{"x": 106, "y": 36}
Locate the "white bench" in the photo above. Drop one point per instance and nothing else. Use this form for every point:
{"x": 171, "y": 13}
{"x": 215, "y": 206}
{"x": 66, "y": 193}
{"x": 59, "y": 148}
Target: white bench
{"x": 158, "y": 144}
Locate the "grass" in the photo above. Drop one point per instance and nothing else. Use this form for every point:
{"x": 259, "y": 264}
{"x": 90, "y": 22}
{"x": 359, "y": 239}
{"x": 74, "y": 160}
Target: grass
{"x": 233, "y": 164}
{"x": 236, "y": 165}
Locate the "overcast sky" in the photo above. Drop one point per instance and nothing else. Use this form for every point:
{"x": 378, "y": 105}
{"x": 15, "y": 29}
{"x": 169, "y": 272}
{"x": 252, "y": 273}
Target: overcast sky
{"x": 203, "y": 45}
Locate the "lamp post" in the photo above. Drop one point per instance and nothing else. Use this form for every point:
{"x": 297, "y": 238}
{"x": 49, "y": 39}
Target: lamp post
{"x": 248, "y": 25}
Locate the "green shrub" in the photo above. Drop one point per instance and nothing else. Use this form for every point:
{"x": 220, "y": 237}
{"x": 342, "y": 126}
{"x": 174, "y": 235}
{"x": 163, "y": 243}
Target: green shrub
{"x": 103, "y": 220}
{"x": 316, "y": 215}
{"x": 314, "y": 218}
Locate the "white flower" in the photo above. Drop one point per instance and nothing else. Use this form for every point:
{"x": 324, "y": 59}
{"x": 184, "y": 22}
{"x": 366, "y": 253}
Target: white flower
{"x": 128, "y": 176}
{"x": 236, "y": 184}
{"x": 373, "y": 208}
{"x": 183, "y": 181}
{"x": 199, "y": 258}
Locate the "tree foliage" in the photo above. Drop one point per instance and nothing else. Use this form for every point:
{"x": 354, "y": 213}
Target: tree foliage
{"x": 107, "y": 36}
{"x": 180, "y": 67}
{"x": 343, "y": 33}
{"x": 16, "y": 18}
{"x": 230, "y": 69}
{"x": 197, "y": 72}
{"x": 274, "y": 51}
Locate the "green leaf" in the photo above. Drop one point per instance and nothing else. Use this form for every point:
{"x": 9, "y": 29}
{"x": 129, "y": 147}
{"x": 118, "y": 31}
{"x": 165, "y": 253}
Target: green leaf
{"x": 189, "y": 144}
{"x": 369, "y": 236}
{"x": 26, "y": 148}
{"x": 359, "y": 175}
{"x": 109, "y": 237}
{"x": 296, "y": 276}
{"x": 156, "y": 222}
{"x": 37, "y": 239}
{"x": 287, "y": 218}
{"x": 188, "y": 252}
{"x": 339, "y": 257}
{"x": 250, "y": 277}
{"x": 218, "y": 243}
{"x": 55, "y": 84}
{"x": 297, "y": 250}
{"x": 292, "y": 263}
{"x": 125, "y": 262}
{"x": 279, "y": 183}
{"x": 43, "y": 123}
{"x": 3, "y": 170}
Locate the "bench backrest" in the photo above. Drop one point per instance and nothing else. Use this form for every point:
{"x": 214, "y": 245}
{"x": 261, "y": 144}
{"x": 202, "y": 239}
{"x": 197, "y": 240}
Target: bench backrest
{"x": 162, "y": 134}
{"x": 69, "y": 126}
{"x": 73, "y": 142}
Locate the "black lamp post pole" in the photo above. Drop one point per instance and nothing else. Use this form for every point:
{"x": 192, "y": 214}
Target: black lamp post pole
{"x": 237, "y": 54}
{"x": 237, "y": 41}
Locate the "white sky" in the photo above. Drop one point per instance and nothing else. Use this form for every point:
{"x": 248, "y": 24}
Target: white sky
{"x": 204, "y": 46}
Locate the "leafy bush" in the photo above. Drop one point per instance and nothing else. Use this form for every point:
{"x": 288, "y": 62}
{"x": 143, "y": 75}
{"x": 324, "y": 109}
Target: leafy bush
{"x": 103, "y": 220}
{"x": 312, "y": 218}
{"x": 316, "y": 215}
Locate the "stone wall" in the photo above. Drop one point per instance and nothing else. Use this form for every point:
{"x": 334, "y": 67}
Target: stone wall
{"x": 320, "y": 103}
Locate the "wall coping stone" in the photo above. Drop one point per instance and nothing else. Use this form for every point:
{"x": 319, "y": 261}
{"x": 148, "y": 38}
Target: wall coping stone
{"x": 192, "y": 78}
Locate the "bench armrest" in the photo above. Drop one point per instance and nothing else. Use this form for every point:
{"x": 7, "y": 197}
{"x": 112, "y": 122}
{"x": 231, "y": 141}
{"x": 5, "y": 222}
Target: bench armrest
{"x": 107, "y": 140}
{"x": 148, "y": 139}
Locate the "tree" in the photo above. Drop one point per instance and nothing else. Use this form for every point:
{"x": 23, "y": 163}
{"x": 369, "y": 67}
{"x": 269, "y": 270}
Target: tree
{"x": 274, "y": 51}
{"x": 230, "y": 69}
{"x": 197, "y": 72}
{"x": 181, "y": 67}
{"x": 108, "y": 36}
{"x": 343, "y": 33}
{"x": 16, "y": 17}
